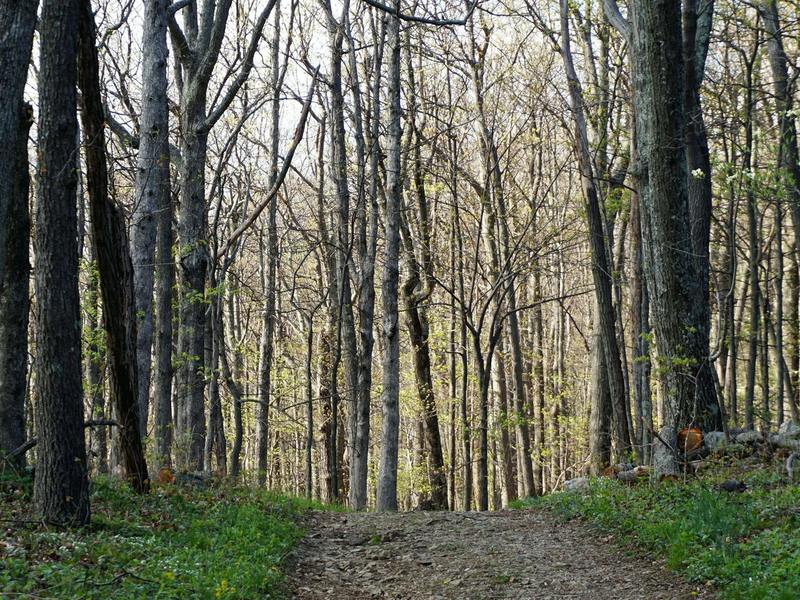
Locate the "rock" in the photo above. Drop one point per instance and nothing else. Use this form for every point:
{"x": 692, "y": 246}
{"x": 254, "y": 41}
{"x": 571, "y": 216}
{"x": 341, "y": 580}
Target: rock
{"x": 356, "y": 540}
{"x": 634, "y": 474}
{"x": 749, "y": 437}
{"x": 579, "y": 484}
{"x": 196, "y": 479}
{"x": 789, "y": 429}
{"x": 663, "y": 458}
{"x": 714, "y": 440}
{"x": 733, "y": 486}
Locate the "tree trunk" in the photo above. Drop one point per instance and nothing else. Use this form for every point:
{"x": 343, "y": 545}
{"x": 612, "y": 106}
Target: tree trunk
{"x": 387, "y": 471}
{"x": 309, "y": 405}
{"x": 152, "y": 186}
{"x": 193, "y": 261}
{"x": 95, "y": 360}
{"x": 779, "y": 364}
{"x": 61, "y": 489}
{"x": 670, "y": 270}
{"x": 600, "y": 408}
{"x": 113, "y": 260}
{"x": 162, "y": 385}
{"x": 600, "y": 260}
{"x": 15, "y": 300}
{"x": 640, "y": 311}
{"x": 17, "y": 21}
{"x": 754, "y": 257}
{"x": 417, "y": 323}
{"x": 216, "y": 444}
{"x": 539, "y": 383}
{"x": 346, "y": 337}
{"x": 696, "y": 38}
{"x": 270, "y": 277}
{"x": 368, "y": 237}
{"x": 500, "y": 402}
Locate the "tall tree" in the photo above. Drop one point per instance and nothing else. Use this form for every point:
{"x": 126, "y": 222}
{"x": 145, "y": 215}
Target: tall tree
{"x": 266, "y": 349}
{"x": 600, "y": 259}
{"x": 387, "y": 473}
{"x": 17, "y": 20}
{"x": 416, "y": 292}
{"x": 367, "y": 226}
{"x": 15, "y": 301}
{"x": 61, "y": 488}
{"x": 697, "y": 21}
{"x": 151, "y": 193}
{"x": 197, "y": 45}
{"x": 113, "y": 258}
{"x": 670, "y": 269}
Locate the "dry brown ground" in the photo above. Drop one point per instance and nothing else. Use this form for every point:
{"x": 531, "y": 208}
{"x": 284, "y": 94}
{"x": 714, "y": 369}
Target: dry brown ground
{"x": 506, "y": 554}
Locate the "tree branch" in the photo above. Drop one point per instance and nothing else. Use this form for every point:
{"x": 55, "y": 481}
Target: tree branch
{"x": 616, "y": 19}
{"x": 244, "y": 72}
{"x": 132, "y": 140}
{"x": 211, "y": 42}
{"x": 287, "y": 162}
{"x": 176, "y": 33}
{"x": 424, "y": 20}
{"x": 33, "y": 441}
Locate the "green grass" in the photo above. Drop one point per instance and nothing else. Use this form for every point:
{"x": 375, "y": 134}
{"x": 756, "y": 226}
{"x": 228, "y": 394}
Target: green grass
{"x": 747, "y": 545}
{"x": 173, "y": 543}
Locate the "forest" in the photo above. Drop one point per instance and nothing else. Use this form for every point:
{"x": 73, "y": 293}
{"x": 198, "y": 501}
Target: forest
{"x": 392, "y": 255}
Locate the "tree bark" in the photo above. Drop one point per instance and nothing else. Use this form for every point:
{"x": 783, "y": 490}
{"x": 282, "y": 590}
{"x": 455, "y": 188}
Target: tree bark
{"x": 387, "y": 471}
{"x": 151, "y": 188}
{"x": 754, "y": 257}
{"x": 600, "y": 260}
{"x": 15, "y": 299}
{"x": 95, "y": 360}
{"x": 17, "y": 21}
{"x": 113, "y": 260}
{"x": 600, "y": 408}
{"x": 640, "y": 319}
{"x": 697, "y": 20}
{"x": 368, "y": 237}
{"x": 61, "y": 489}
{"x": 164, "y": 282}
{"x": 270, "y": 277}
{"x": 671, "y": 272}
{"x": 198, "y": 48}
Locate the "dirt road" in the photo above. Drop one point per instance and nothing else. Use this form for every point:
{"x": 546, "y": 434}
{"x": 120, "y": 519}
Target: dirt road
{"x": 506, "y": 554}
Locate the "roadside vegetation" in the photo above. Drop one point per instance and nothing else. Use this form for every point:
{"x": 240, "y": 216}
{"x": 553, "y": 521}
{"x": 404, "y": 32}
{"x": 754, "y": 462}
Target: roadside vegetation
{"x": 744, "y": 544}
{"x": 178, "y": 542}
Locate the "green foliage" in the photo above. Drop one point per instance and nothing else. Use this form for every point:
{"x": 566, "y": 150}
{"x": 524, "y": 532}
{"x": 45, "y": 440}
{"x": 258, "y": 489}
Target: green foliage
{"x": 748, "y": 545}
{"x": 174, "y": 543}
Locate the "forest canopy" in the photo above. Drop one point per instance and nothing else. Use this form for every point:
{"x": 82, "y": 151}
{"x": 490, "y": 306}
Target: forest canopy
{"x": 392, "y": 254}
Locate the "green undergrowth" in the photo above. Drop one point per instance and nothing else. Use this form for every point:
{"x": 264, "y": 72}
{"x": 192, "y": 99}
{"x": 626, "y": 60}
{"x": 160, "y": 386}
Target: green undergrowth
{"x": 746, "y": 545}
{"x": 224, "y": 542}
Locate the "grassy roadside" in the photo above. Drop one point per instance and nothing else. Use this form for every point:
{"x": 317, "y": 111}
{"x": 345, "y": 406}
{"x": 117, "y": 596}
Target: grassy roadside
{"x": 747, "y": 544}
{"x": 174, "y": 543}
